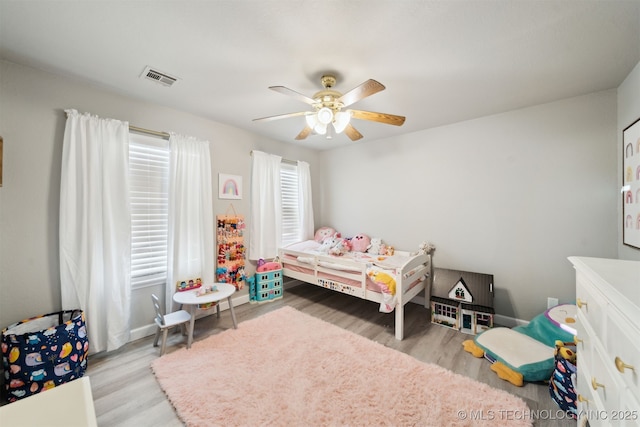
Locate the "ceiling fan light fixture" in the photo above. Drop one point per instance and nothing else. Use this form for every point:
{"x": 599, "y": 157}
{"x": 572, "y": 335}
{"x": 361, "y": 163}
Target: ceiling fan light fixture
{"x": 312, "y": 120}
{"x": 330, "y": 132}
{"x": 327, "y": 107}
{"x": 320, "y": 129}
{"x": 341, "y": 121}
{"x": 325, "y": 115}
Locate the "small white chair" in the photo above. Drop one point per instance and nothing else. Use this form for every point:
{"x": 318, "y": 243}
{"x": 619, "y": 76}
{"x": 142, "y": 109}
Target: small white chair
{"x": 167, "y": 321}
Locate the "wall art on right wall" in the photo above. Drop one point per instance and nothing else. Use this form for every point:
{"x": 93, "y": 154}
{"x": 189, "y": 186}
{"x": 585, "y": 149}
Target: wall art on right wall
{"x": 631, "y": 185}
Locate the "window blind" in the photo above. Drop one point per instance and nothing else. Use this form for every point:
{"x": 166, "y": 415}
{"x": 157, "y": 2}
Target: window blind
{"x": 290, "y": 203}
{"x": 149, "y": 198}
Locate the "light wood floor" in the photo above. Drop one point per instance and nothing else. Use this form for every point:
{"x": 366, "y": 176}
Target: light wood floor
{"x": 126, "y": 393}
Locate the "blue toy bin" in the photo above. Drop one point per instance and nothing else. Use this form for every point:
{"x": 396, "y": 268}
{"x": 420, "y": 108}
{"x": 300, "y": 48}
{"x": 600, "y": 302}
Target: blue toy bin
{"x": 43, "y": 352}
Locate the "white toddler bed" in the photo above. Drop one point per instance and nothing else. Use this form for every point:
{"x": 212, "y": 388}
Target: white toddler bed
{"x": 363, "y": 275}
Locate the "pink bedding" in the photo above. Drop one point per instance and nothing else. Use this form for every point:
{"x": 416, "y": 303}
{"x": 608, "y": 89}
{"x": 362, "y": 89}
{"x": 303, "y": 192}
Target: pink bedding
{"x": 310, "y": 247}
{"x": 344, "y": 280}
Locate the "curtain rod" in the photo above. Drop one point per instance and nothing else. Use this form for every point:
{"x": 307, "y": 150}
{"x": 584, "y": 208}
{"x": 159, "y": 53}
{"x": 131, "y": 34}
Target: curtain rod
{"x": 164, "y": 135}
{"x": 283, "y": 160}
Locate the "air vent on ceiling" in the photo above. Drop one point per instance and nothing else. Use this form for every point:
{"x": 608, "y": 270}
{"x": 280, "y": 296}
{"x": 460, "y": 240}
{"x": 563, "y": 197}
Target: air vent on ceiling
{"x": 158, "y": 77}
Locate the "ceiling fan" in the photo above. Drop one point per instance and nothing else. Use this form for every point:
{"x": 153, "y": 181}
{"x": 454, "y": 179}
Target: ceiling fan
{"x": 329, "y": 107}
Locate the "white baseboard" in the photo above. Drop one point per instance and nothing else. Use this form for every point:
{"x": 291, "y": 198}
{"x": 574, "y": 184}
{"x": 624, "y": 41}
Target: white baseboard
{"x": 148, "y": 330}
{"x": 509, "y": 322}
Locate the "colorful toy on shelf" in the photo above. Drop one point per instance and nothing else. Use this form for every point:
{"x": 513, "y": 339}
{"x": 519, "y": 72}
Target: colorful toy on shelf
{"x": 231, "y": 250}
{"x": 187, "y": 285}
{"x": 206, "y": 290}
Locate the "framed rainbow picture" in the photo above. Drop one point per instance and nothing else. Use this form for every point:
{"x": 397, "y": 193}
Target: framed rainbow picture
{"x": 631, "y": 185}
{"x": 229, "y": 186}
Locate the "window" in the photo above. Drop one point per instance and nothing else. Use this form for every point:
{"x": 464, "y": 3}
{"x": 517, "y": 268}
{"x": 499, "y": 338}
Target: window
{"x": 291, "y": 222}
{"x": 446, "y": 310}
{"x": 483, "y": 319}
{"x": 149, "y": 197}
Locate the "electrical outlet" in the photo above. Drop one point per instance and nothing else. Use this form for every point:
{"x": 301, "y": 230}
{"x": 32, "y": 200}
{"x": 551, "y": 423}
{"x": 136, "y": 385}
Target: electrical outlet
{"x": 552, "y": 302}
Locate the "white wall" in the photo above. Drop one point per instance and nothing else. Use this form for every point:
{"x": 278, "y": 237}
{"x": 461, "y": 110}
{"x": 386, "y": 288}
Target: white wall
{"x": 32, "y": 122}
{"x": 628, "y": 112}
{"x": 512, "y": 194}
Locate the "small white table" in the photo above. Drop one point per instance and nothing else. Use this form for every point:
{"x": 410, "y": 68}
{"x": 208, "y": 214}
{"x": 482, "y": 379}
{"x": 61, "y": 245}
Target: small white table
{"x": 192, "y": 299}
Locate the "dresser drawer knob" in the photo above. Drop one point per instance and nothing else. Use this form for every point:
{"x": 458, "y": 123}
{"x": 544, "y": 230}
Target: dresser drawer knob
{"x": 580, "y": 303}
{"x": 582, "y": 399}
{"x": 621, "y": 366}
{"x": 595, "y": 384}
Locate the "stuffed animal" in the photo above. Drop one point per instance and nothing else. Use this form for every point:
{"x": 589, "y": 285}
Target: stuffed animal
{"x": 376, "y": 244}
{"x": 340, "y": 248}
{"x": 564, "y": 352}
{"x": 328, "y": 243}
{"x": 387, "y": 285}
{"x": 383, "y": 279}
{"x": 322, "y": 233}
{"x": 426, "y": 248}
{"x": 360, "y": 243}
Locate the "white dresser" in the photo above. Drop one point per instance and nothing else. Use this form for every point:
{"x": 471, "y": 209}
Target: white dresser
{"x": 608, "y": 341}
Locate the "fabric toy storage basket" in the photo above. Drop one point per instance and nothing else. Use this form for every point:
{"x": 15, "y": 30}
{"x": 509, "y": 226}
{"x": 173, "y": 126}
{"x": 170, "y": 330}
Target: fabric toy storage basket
{"x": 43, "y": 352}
{"x": 562, "y": 384}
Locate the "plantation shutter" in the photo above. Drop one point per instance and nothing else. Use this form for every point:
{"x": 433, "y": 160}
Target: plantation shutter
{"x": 290, "y": 208}
{"x": 149, "y": 196}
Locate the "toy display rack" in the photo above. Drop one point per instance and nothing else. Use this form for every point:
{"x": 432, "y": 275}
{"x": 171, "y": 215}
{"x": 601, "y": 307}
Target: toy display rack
{"x": 231, "y": 250}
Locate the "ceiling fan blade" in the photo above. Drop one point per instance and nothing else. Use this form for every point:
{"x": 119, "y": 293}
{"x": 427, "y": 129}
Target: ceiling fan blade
{"x": 290, "y": 92}
{"x": 304, "y": 133}
{"x": 281, "y": 116}
{"x": 389, "y": 119}
{"x": 352, "y": 133}
{"x": 367, "y": 88}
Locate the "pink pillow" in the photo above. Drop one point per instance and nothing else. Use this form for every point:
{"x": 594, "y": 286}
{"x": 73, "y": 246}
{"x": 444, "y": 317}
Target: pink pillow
{"x": 322, "y": 233}
{"x": 360, "y": 243}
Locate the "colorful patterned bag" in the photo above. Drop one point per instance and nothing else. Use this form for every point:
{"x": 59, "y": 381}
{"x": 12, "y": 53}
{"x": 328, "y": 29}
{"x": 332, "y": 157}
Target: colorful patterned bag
{"x": 562, "y": 385}
{"x": 43, "y": 352}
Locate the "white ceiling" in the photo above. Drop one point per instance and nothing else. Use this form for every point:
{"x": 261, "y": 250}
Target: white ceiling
{"x": 441, "y": 61}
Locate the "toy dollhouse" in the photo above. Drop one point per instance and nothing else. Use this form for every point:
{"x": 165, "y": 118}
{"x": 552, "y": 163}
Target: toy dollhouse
{"x": 462, "y": 300}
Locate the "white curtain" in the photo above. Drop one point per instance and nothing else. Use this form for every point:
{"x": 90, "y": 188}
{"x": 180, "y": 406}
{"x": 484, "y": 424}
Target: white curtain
{"x": 95, "y": 231}
{"x": 266, "y": 204}
{"x": 305, "y": 201}
{"x": 191, "y": 240}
